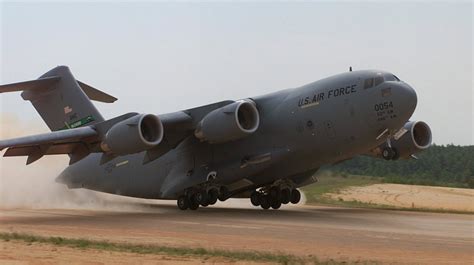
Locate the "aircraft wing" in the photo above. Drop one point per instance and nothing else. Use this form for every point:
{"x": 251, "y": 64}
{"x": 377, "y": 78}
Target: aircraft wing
{"x": 80, "y": 142}
{"x": 72, "y": 141}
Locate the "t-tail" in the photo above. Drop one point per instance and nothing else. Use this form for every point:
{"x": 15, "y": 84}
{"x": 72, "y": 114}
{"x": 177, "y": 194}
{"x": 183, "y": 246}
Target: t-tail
{"x": 62, "y": 101}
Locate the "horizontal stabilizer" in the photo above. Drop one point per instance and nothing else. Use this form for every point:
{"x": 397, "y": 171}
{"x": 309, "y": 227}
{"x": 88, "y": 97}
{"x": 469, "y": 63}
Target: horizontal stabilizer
{"x": 45, "y": 83}
{"x": 38, "y": 84}
{"x": 95, "y": 94}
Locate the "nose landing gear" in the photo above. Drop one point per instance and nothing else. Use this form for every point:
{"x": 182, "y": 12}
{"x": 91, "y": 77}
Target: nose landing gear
{"x": 390, "y": 153}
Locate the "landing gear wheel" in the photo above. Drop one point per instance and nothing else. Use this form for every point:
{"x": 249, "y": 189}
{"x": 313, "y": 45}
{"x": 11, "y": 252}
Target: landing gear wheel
{"x": 255, "y": 198}
{"x": 285, "y": 196}
{"x": 201, "y": 197}
{"x": 183, "y": 202}
{"x": 212, "y": 195}
{"x": 276, "y": 205}
{"x": 265, "y": 202}
{"x": 193, "y": 204}
{"x": 396, "y": 154}
{"x": 223, "y": 194}
{"x": 275, "y": 194}
{"x": 388, "y": 153}
{"x": 295, "y": 196}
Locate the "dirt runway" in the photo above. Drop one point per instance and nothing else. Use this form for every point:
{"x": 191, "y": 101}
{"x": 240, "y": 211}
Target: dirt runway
{"x": 326, "y": 232}
{"x": 411, "y": 196}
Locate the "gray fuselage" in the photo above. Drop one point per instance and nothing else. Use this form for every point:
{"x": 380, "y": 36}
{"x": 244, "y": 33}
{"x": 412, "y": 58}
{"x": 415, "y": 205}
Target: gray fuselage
{"x": 300, "y": 130}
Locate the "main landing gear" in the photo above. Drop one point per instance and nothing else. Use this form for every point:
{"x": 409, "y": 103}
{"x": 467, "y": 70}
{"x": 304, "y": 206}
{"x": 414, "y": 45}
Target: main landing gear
{"x": 203, "y": 197}
{"x": 274, "y": 197}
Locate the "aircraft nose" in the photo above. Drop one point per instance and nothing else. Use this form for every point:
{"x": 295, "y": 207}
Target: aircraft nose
{"x": 408, "y": 98}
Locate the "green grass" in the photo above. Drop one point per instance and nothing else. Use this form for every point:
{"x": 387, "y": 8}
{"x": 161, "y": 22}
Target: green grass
{"x": 172, "y": 251}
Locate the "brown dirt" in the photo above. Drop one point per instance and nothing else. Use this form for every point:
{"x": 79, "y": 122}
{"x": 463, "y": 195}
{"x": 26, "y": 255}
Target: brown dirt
{"x": 411, "y": 196}
{"x": 342, "y": 234}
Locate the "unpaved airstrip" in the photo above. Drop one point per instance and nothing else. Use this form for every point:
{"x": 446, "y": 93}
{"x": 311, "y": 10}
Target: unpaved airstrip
{"x": 411, "y": 196}
{"x": 341, "y": 234}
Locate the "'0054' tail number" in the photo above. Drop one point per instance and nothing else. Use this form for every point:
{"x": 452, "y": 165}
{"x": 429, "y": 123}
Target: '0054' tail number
{"x": 384, "y": 111}
{"x": 383, "y": 106}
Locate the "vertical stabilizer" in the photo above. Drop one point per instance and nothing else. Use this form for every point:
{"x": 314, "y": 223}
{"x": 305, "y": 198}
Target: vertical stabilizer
{"x": 60, "y": 101}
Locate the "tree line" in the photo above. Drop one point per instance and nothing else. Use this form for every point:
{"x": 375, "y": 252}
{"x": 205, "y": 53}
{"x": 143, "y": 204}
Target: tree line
{"x": 439, "y": 165}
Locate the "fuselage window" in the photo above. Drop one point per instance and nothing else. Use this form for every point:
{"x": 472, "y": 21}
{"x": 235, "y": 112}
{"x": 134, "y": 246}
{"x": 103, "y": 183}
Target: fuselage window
{"x": 378, "y": 80}
{"x": 368, "y": 83}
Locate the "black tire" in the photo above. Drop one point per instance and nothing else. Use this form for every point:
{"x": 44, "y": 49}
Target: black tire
{"x": 212, "y": 196}
{"x": 276, "y": 205}
{"x": 396, "y": 154}
{"x": 387, "y": 153}
{"x": 265, "y": 202}
{"x": 223, "y": 194}
{"x": 255, "y": 198}
{"x": 183, "y": 202}
{"x": 295, "y": 196}
{"x": 275, "y": 194}
{"x": 285, "y": 196}
{"x": 193, "y": 204}
{"x": 201, "y": 197}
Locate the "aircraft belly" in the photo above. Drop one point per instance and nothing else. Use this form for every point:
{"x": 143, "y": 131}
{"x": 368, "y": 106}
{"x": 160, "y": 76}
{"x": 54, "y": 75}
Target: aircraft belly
{"x": 124, "y": 175}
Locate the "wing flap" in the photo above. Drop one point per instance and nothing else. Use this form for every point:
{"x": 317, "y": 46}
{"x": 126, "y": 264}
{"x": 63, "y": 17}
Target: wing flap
{"x": 55, "y": 149}
{"x": 56, "y": 137}
{"x": 74, "y": 142}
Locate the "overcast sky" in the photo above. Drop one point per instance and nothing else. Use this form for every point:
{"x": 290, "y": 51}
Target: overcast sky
{"x": 163, "y": 57}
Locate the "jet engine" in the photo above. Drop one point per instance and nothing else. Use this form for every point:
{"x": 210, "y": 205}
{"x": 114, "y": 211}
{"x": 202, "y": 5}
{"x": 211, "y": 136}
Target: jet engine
{"x": 414, "y": 137}
{"x": 228, "y": 123}
{"x": 133, "y": 135}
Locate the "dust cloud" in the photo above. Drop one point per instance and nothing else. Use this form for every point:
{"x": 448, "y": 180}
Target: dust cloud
{"x": 34, "y": 186}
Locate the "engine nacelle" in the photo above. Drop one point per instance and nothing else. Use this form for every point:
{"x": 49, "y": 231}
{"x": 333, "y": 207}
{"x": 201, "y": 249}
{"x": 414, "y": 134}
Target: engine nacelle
{"x": 133, "y": 135}
{"x": 231, "y": 122}
{"x": 414, "y": 137}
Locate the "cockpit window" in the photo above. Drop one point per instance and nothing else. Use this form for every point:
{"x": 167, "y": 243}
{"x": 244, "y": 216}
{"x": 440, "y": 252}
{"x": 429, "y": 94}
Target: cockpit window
{"x": 390, "y": 77}
{"x": 368, "y": 83}
{"x": 378, "y": 80}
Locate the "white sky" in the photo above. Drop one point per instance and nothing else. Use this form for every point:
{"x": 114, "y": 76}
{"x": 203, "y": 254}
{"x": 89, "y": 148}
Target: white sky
{"x": 160, "y": 57}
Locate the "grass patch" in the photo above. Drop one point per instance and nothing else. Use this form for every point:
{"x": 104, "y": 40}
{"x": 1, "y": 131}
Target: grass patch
{"x": 163, "y": 250}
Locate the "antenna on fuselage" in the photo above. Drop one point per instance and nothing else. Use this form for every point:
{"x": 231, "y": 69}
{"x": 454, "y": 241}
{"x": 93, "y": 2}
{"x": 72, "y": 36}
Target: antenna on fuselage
{"x": 350, "y": 68}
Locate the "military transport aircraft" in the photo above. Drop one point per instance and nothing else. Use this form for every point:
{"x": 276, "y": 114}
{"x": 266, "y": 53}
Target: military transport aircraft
{"x": 262, "y": 148}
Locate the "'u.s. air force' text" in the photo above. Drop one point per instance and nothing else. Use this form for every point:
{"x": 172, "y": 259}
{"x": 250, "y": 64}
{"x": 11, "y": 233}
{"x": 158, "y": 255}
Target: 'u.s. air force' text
{"x": 316, "y": 98}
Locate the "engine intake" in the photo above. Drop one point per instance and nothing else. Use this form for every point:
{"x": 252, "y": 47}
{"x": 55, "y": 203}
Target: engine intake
{"x": 229, "y": 123}
{"x": 133, "y": 135}
{"x": 415, "y": 137}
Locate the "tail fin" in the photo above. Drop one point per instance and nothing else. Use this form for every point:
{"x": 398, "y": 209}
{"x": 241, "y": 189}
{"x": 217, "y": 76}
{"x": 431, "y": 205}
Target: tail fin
{"x": 61, "y": 100}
